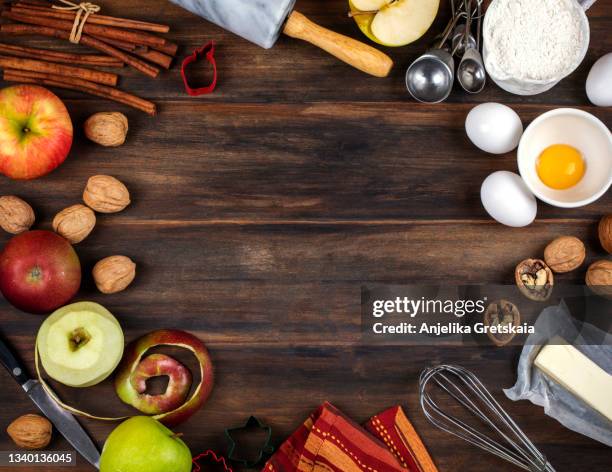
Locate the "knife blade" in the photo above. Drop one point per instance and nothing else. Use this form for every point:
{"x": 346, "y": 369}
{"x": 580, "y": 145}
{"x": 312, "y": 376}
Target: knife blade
{"x": 63, "y": 420}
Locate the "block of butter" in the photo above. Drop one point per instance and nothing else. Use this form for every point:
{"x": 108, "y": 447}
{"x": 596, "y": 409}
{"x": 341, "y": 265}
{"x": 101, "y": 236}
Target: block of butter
{"x": 578, "y": 374}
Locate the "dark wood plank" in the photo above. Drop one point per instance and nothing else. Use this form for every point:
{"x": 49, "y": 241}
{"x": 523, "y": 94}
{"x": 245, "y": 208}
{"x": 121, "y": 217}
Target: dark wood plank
{"x": 295, "y": 72}
{"x": 293, "y": 161}
{"x": 372, "y": 380}
{"x": 259, "y": 211}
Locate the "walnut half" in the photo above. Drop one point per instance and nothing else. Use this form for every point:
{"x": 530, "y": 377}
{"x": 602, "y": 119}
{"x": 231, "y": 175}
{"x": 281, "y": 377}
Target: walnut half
{"x": 534, "y": 279}
{"x": 501, "y": 313}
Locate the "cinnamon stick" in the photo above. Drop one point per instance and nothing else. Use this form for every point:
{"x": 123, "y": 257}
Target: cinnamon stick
{"x": 61, "y": 57}
{"x": 97, "y": 19}
{"x": 169, "y": 49}
{"x": 17, "y": 63}
{"x": 145, "y": 39}
{"x": 146, "y": 53}
{"x": 86, "y": 40}
{"x": 91, "y": 88}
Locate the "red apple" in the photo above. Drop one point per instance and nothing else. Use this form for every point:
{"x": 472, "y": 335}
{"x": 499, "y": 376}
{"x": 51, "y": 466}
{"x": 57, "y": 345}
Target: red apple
{"x": 39, "y": 271}
{"x": 35, "y": 132}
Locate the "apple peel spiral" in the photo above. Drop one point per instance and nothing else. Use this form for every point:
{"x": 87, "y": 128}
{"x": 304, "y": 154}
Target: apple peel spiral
{"x": 130, "y": 381}
{"x": 171, "y": 407}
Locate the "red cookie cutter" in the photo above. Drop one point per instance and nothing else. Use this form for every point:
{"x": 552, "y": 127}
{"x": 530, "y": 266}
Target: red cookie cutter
{"x": 212, "y": 457}
{"x": 207, "y": 52}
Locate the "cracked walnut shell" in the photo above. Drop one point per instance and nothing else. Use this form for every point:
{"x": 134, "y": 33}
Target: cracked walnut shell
{"x": 534, "y": 279}
{"x": 499, "y": 314}
{"x": 605, "y": 233}
{"x": 114, "y": 274}
{"x": 106, "y": 194}
{"x": 16, "y": 216}
{"x": 30, "y": 431}
{"x": 75, "y": 223}
{"x": 565, "y": 254}
{"x": 599, "y": 278}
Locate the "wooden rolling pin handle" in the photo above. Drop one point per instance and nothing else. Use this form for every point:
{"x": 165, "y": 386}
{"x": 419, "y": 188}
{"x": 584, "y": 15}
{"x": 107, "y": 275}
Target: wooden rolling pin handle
{"x": 353, "y": 52}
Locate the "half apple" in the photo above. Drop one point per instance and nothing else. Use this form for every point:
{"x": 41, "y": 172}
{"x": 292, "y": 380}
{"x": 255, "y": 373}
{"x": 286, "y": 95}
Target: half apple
{"x": 394, "y": 22}
{"x": 80, "y": 345}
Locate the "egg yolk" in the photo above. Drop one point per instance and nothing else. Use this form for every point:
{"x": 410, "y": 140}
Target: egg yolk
{"x": 560, "y": 166}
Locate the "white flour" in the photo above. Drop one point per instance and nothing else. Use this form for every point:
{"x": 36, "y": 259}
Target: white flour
{"x": 534, "y": 39}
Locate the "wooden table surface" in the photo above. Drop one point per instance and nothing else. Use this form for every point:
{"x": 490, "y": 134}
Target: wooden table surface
{"x": 259, "y": 211}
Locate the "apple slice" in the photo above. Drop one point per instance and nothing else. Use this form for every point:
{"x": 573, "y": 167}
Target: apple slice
{"x": 80, "y": 344}
{"x": 394, "y": 23}
{"x": 369, "y": 5}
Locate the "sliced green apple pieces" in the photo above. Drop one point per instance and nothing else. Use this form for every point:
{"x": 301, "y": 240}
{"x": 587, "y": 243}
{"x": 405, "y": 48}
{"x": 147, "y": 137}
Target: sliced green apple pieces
{"x": 80, "y": 344}
{"x": 369, "y": 5}
{"x": 394, "y": 23}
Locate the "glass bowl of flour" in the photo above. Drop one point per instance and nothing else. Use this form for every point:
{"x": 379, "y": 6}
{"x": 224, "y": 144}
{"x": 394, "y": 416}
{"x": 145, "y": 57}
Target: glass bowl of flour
{"x": 531, "y": 45}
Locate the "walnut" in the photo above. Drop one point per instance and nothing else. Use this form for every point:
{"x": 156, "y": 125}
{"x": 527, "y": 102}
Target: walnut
{"x": 107, "y": 129}
{"x": 106, "y": 194}
{"x": 501, "y": 313}
{"x": 605, "y": 233}
{"x": 599, "y": 278}
{"x": 74, "y": 223}
{"x": 16, "y": 216}
{"x": 113, "y": 274}
{"x": 565, "y": 254}
{"x": 30, "y": 432}
{"x": 534, "y": 279}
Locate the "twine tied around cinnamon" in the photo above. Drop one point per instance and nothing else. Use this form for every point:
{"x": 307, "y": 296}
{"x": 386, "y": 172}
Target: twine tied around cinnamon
{"x": 82, "y": 12}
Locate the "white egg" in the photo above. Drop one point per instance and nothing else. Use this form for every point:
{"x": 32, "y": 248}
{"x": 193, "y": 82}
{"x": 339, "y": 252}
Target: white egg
{"x": 508, "y": 200}
{"x": 494, "y": 128}
{"x": 599, "y": 82}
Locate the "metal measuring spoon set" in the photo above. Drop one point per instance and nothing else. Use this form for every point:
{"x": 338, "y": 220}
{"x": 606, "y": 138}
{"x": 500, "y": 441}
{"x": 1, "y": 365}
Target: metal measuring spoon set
{"x": 430, "y": 77}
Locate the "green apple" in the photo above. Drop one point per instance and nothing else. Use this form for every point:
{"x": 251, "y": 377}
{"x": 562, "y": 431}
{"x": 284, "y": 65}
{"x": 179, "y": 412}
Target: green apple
{"x": 80, "y": 344}
{"x": 394, "y": 22}
{"x": 142, "y": 444}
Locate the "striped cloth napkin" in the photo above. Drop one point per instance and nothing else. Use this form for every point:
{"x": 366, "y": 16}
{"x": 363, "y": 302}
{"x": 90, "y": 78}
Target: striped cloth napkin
{"x": 329, "y": 441}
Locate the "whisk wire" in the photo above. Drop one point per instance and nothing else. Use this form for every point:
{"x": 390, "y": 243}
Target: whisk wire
{"x": 469, "y": 392}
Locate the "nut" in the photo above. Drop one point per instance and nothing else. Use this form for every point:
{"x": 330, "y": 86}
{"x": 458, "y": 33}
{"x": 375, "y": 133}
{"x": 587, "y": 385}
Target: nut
{"x": 534, "y": 279}
{"x": 74, "y": 223}
{"x": 16, "y": 216}
{"x": 106, "y": 194}
{"x": 30, "y": 432}
{"x": 565, "y": 254}
{"x": 605, "y": 233}
{"x": 107, "y": 129}
{"x": 599, "y": 278}
{"x": 501, "y": 314}
{"x": 113, "y": 274}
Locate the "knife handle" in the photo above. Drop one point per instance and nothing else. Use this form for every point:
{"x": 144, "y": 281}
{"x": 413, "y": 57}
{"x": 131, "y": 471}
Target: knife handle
{"x": 353, "y": 52}
{"x": 12, "y": 364}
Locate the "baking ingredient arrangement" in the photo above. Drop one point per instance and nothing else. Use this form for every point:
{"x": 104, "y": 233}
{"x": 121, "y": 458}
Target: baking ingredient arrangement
{"x": 564, "y": 159}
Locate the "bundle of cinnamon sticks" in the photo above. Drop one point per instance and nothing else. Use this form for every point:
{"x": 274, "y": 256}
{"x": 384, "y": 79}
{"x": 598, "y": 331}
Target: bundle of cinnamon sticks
{"x": 119, "y": 42}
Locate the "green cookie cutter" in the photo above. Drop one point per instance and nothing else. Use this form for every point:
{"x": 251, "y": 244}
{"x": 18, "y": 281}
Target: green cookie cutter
{"x": 266, "y": 450}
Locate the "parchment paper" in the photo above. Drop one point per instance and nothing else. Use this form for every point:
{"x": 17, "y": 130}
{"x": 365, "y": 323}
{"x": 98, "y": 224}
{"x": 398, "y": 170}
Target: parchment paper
{"x": 558, "y": 403}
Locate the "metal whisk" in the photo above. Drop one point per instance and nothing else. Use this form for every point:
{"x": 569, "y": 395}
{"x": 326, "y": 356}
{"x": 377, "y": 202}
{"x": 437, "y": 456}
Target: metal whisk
{"x": 503, "y": 439}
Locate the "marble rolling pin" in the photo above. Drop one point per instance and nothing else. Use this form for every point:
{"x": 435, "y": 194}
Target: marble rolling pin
{"x": 262, "y": 22}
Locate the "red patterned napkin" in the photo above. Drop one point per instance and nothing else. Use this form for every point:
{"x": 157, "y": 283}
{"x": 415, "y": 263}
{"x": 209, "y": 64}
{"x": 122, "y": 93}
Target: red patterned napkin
{"x": 329, "y": 441}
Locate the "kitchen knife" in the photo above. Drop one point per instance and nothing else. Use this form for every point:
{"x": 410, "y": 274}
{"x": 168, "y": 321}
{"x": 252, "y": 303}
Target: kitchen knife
{"x": 63, "y": 421}
{"x": 262, "y": 21}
